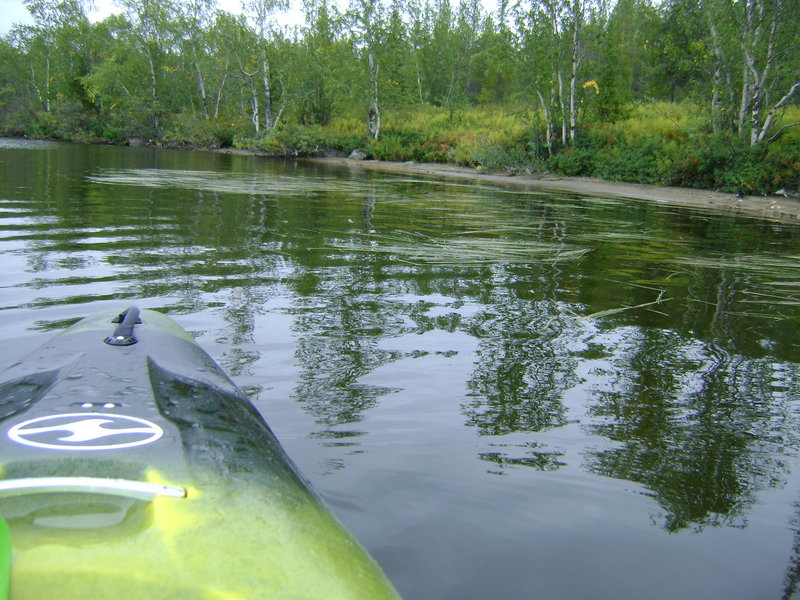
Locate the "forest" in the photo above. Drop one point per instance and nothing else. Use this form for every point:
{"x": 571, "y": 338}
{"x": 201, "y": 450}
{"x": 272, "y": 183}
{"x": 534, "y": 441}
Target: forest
{"x": 700, "y": 93}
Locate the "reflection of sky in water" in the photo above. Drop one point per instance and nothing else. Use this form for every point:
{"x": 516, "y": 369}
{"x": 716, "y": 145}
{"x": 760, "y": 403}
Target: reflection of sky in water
{"x": 24, "y": 144}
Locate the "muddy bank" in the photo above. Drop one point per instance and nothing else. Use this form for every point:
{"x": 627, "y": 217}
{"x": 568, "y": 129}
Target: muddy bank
{"x": 777, "y": 208}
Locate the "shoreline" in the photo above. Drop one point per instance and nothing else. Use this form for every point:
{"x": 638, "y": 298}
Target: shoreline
{"x": 780, "y": 209}
{"x": 773, "y": 208}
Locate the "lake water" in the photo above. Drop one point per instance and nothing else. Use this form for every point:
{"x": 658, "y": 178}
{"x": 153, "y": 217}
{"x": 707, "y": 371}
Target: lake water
{"x": 504, "y": 394}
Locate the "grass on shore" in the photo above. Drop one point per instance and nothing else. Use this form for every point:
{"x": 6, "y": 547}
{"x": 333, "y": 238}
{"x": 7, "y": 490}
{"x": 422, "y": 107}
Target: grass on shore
{"x": 658, "y": 143}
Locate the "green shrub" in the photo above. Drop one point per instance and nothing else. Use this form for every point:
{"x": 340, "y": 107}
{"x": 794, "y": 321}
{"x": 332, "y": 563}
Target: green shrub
{"x": 292, "y": 139}
{"x": 127, "y": 121}
{"x": 397, "y": 145}
{"x": 435, "y": 149}
{"x": 710, "y": 164}
{"x": 629, "y": 162}
{"x": 730, "y": 164}
{"x": 574, "y": 161}
{"x": 66, "y": 121}
{"x": 188, "y": 129}
{"x": 785, "y": 160}
{"x": 498, "y": 158}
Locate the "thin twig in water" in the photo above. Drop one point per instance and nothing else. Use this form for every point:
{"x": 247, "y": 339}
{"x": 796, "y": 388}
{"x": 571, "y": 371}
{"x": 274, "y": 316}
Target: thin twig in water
{"x": 614, "y": 311}
{"x": 637, "y": 285}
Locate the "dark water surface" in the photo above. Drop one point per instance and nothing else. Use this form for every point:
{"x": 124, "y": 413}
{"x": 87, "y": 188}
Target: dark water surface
{"x": 504, "y": 394}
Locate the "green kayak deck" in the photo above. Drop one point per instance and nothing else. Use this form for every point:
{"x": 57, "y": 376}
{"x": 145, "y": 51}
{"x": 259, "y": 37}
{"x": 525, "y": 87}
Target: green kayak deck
{"x": 133, "y": 467}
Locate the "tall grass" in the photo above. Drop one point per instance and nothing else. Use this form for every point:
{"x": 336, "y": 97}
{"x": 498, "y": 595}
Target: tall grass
{"x": 664, "y": 120}
{"x": 658, "y": 143}
{"x": 485, "y": 135}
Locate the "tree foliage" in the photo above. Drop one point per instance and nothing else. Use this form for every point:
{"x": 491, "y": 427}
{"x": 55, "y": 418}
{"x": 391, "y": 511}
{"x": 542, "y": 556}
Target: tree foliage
{"x": 183, "y": 69}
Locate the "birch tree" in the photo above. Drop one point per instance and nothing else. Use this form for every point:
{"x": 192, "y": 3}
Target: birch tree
{"x": 440, "y": 57}
{"x": 576, "y": 16}
{"x": 399, "y": 73}
{"x": 417, "y": 38}
{"x": 769, "y": 45}
{"x": 321, "y": 49}
{"x": 197, "y": 20}
{"x": 261, "y": 13}
{"x": 42, "y": 40}
{"x": 152, "y": 28}
{"x": 759, "y": 35}
{"x": 368, "y": 20}
{"x": 539, "y": 61}
{"x": 242, "y": 49}
{"x": 541, "y": 30}
{"x": 222, "y": 51}
{"x": 447, "y": 46}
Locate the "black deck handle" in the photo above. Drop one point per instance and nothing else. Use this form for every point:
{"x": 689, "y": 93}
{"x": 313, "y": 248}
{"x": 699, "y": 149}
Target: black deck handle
{"x": 123, "y": 334}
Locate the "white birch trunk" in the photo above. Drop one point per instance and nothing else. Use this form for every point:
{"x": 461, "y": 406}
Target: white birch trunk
{"x": 769, "y": 121}
{"x": 577, "y": 10}
{"x": 268, "y": 113}
{"x": 745, "y": 100}
{"x": 716, "y": 98}
{"x": 38, "y": 89}
{"x": 47, "y": 83}
{"x": 547, "y": 121}
{"x": 563, "y": 103}
{"x": 201, "y": 84}
{"x": 219, "y": 90}
{"x": 374, "y": 113}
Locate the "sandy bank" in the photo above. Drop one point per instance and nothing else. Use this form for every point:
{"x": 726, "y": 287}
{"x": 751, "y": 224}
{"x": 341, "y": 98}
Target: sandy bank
{"x": 775, "y": 208}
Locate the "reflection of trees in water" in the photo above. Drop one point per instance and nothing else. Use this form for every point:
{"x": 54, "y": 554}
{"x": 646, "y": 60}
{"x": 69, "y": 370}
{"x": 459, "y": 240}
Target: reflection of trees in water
{"x": 535, "y": 456}
{"x": 701, "y": 428}
{"x": 340, "y": 317}
{"x": 521, "y": 369}
{"x": 523, "y": 363}
{"x": 338, "y": 339}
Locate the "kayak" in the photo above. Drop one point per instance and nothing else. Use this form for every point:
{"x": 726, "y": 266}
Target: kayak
{"x": 131, "y": 466}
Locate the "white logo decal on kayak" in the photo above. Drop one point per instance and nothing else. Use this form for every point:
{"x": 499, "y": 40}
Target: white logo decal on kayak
{"x": 85, "y": 431}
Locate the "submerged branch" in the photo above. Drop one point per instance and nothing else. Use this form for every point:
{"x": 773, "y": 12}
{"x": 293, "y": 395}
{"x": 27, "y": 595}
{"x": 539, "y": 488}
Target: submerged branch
{"x": 614, "y": 311}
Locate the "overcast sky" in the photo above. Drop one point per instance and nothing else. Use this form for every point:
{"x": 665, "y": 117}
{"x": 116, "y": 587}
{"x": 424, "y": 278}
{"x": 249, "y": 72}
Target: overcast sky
{"x": 14, "y": 11}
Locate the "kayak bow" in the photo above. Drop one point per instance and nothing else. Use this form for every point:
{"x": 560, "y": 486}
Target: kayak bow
{"x": 131, "y": 466}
